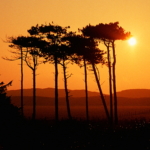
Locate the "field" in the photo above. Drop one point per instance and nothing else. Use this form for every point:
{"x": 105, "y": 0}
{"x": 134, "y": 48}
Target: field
{"x": 78, "y": 112}
{"x": 132, "y": 132}
{"x": 75, "y": 135}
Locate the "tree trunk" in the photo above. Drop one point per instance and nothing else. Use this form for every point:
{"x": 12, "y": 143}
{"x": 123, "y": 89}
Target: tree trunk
{"x": 56, "y": 89}
{"x": 110, "y": 84}
{"x": 66, "y": 91}
{"x": 34, "y": 94}
{"x": 22, "y": 111}
{"x": 101, "y": 93}
{"x": 34, "y": 87}
{"x": 114, "y": 85}
{"x": 86, "y": 90}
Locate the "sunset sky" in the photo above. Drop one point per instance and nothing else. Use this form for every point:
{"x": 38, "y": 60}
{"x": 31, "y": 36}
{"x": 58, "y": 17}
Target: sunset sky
{"x": 133, "y": 62}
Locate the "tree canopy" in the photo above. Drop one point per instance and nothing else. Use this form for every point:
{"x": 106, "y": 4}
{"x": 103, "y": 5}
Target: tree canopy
{"x": 111, "y": 31}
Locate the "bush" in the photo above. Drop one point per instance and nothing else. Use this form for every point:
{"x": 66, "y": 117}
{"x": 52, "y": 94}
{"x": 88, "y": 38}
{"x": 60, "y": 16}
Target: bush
{"x": 8, "y": 112}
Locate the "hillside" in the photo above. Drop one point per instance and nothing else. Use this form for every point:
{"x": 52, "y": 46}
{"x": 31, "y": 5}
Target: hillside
{"x": 80, "y": 101}
{"x": 134, "y": 97}
{"x": 134, "y": 93}
{"x": 49, "y": 92}
{"x": 129, "y": 106}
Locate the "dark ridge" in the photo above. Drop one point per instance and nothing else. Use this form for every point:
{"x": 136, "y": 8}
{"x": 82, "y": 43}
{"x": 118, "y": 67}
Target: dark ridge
{"x": 49, "y": 92}
{"x": 134, "y": 93}
{"x": 80, "y": 101}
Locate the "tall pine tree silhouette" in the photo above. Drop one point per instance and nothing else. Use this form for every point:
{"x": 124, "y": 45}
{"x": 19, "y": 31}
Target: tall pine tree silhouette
{"x": 109, "y": 33}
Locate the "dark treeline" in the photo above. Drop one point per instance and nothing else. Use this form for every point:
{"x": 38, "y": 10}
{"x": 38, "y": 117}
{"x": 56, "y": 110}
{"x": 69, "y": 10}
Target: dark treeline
{"x": 58, "y": 46}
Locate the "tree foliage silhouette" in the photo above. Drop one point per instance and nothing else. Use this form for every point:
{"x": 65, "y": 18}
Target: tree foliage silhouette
{"x": 66, "y": 59}
{"x": 33, "y": 52}
{"x": 109, "y": 33}
{"x": 16, "y": 43}
{"x": 80, "y": 47}
{"x": 58, "y": 46}
{"x": 30, "y": 52}
{"x": 96, "y": 58}
{"x": 86, "y": 51}
{"x": 55, "y": 52}
{"x": 8, "y": 112}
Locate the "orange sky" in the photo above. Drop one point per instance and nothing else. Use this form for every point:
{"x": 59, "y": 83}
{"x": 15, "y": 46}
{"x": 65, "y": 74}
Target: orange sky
{"x": 132, "y": 70}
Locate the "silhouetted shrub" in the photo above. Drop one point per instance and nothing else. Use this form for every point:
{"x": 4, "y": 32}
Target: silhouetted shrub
{"x": 9, "y": 113}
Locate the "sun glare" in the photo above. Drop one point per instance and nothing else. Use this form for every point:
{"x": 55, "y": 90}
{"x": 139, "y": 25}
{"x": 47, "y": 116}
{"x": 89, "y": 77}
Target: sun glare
{"x": 132, "y": 41}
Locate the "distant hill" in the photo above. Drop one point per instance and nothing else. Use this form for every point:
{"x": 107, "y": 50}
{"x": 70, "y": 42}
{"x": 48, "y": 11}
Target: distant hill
{"x": 134, "y": 93}
{"x": 133, "y": 97}
{"x": 130, "y": 103}
{"x": 49, "y": 92}
{"x": 48, "y": 101}
{"x": 80, "y": 101}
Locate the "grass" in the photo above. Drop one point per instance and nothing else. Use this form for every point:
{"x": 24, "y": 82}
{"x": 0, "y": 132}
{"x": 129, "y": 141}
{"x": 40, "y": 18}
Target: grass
{"x": 124, "y": 112}
{"x": 132, "y": 132}
{"x": 75, "y": 135}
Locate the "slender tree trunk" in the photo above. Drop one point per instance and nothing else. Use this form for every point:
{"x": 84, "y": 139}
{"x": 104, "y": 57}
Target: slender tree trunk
{"x": 34, "y": 87}
{"x": 110, "y": 84}
{"x": 66, "y": 91}
{"x": 114, "y": 85}
{"x": 22, "y": 111}
{"x": 101, "y": 93}
{"x": 34, "y": 93}
{"x": 56, "y": 89}
{"x": 34, "y": 57}
{"x": 86, "y": 90}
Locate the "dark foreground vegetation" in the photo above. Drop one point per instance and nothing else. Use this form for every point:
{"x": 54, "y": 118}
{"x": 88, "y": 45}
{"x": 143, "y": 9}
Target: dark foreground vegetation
{"x": 75, "y": 134}
{"x": 19, "y": 133}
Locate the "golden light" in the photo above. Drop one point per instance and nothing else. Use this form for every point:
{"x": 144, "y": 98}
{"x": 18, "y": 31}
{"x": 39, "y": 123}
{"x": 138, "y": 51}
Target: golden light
{"x": 132, "y": 41}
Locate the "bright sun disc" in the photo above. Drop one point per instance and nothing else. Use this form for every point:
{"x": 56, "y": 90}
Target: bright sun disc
{"x": 132, "y": 41}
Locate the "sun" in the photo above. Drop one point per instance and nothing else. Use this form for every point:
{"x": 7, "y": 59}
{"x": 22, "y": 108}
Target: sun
{"x": 132, "y": 41}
